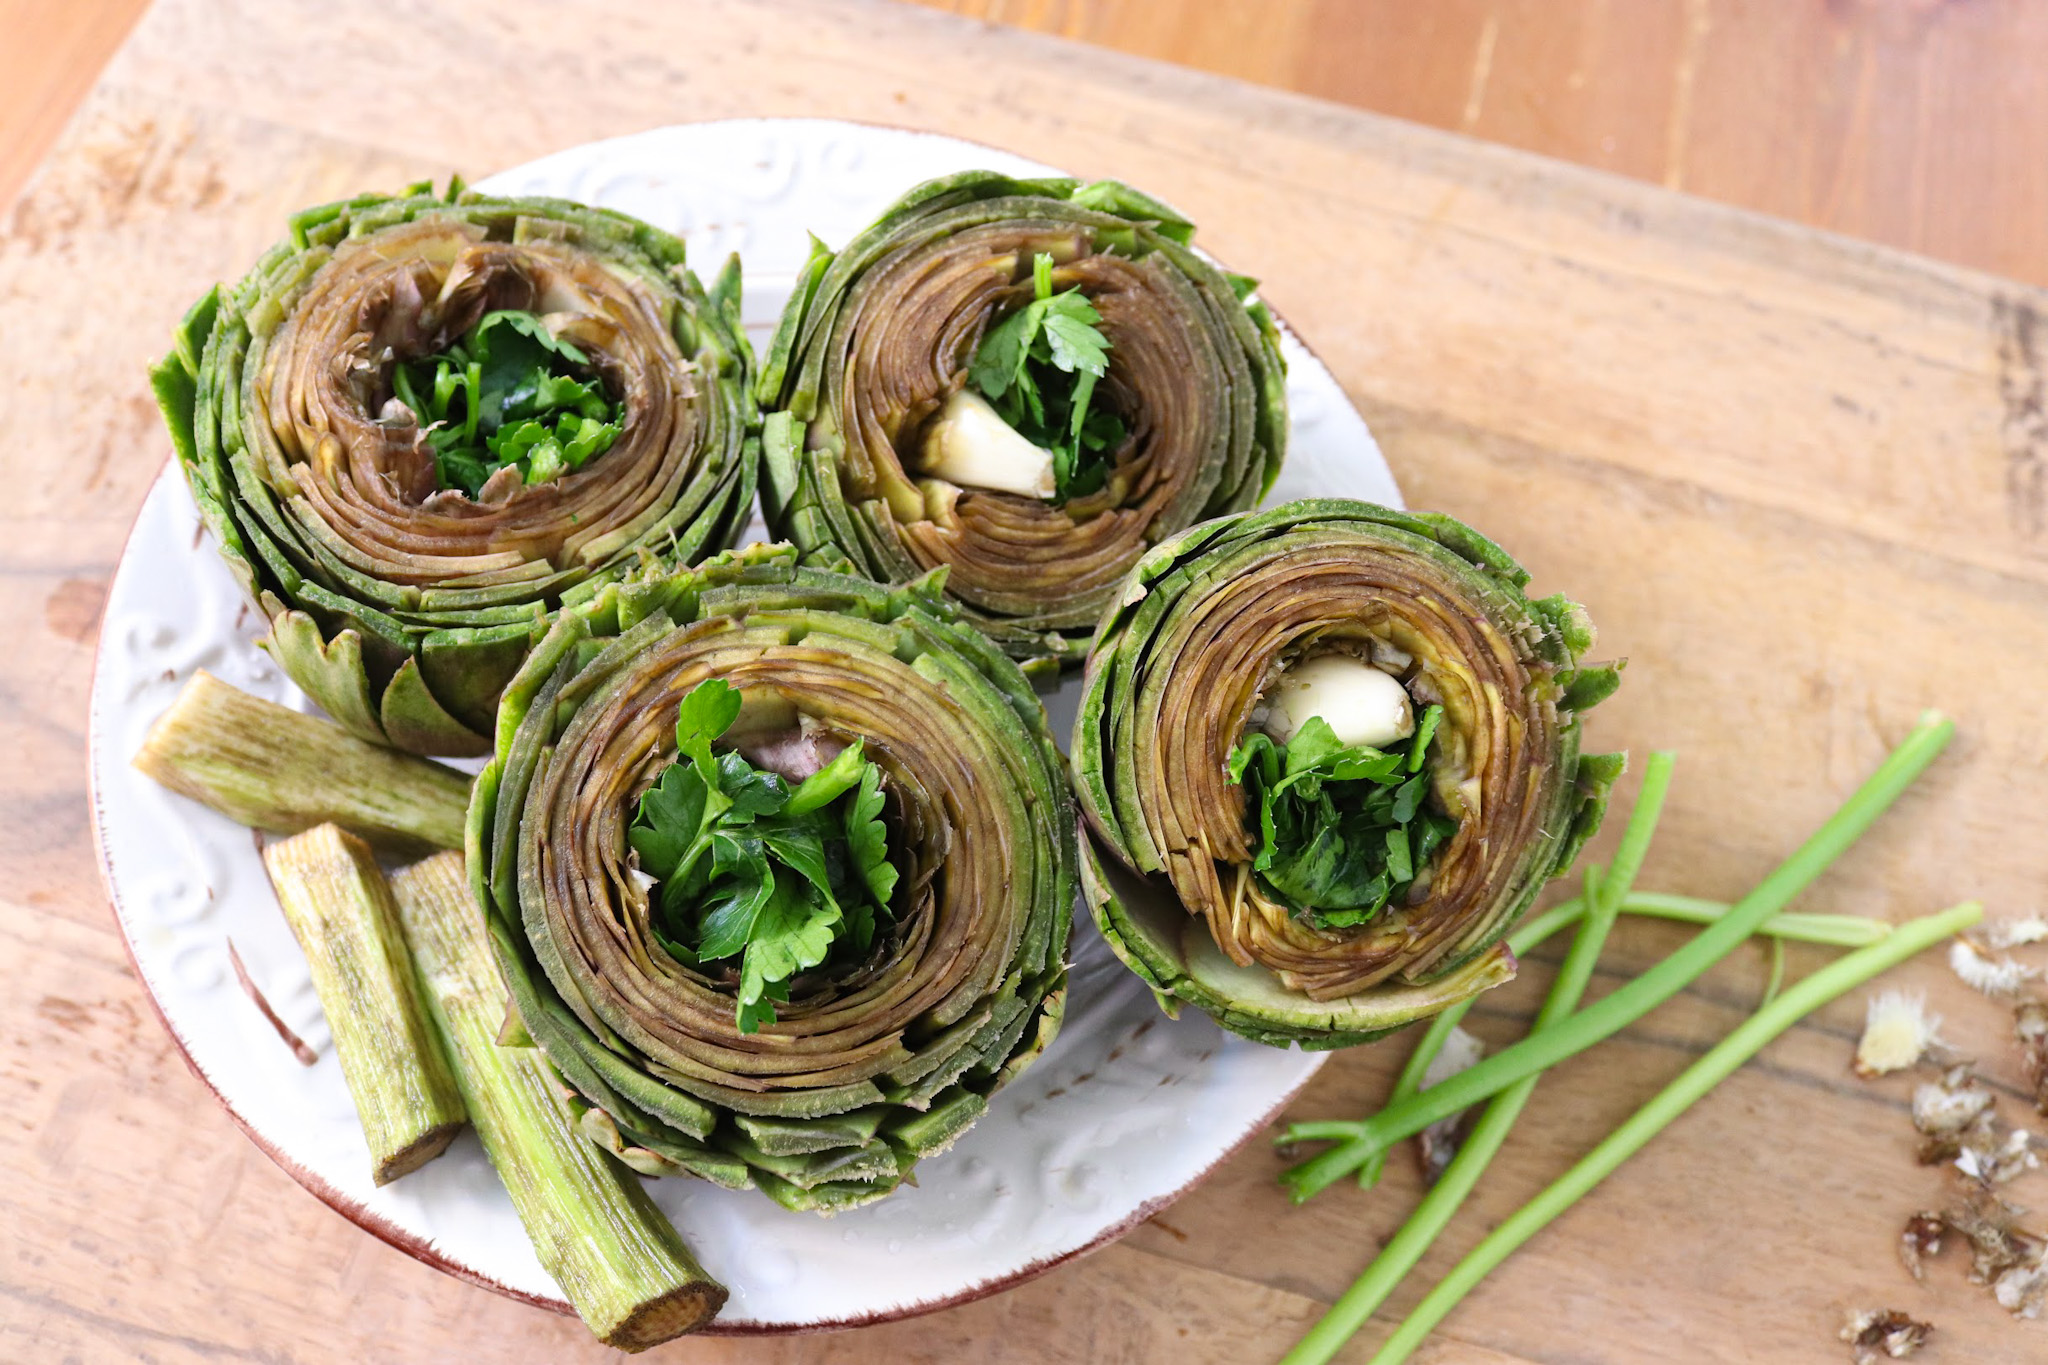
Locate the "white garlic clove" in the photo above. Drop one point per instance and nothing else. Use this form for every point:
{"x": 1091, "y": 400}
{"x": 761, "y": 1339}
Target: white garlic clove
{"x": 971, "y": 445}
{"x": 1359, "y": 702}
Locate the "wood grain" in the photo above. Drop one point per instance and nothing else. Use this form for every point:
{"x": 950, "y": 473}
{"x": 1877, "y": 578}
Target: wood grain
{"x": 51, "y": 56}
{"x": 1798, "y": 481}
{"x": 1921, "y": 124}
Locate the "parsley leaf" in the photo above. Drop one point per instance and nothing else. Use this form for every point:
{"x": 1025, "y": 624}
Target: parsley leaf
{"x": 868, "y": 837}
{"x": 786, "y": 881}
{"x": 509, "y": 394}
{"x": 671, "y": 815}
{"x": 1343, "y": 830}
{"x": 1038, "y": 368}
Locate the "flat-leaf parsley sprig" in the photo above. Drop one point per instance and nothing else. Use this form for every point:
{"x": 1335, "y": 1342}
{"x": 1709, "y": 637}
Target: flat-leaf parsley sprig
{"x": 1038, "y": 367}
{"x": 745, "y": 865}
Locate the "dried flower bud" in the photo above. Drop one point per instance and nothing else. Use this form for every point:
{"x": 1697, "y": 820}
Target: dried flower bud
{"x": 1921, "y": 1242}
{"x": 1897, "y": 1032}
{"x": 1991, "y": 1160}
{"x": 1997, "y": 976}
{"x": 1947, "y": 1107}
{"x": 1997, "y": 1243}
{"x": 1874, "y": 1336}
{"x": 2022, "y": 1289}
{"x": 2030, "y": 1026}
{"x": 2011, "y": 933}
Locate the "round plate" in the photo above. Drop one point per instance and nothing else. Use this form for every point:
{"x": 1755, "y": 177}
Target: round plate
{"x": 1127, "y": 1110}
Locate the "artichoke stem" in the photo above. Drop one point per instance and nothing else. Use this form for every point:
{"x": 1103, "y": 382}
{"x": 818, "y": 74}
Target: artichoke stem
{"x": 339, "y": 907}
{"x": 269, "y": 766}
{"x": 614, "y": 1253}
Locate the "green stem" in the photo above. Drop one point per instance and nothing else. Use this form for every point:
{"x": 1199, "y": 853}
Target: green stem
{"x": 1842, "y": 975}
{"x": 615, "y": 1255}
{"x": 339, "y": 907}
{"x": 1349, "y": 1313}
{"x": 1777, "y": 977}
{"x": 1547, "y": 1047}
{"x": 267, "y": 765}
{"x": 1837, "y": 931}
{"x": 1410, "y": 1080}
{"x": 1834, "y": 931}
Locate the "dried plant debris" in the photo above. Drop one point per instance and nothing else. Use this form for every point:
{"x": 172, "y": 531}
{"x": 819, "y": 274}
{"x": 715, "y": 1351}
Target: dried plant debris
{"x": 2005, "y": 1256}
{"x": 1885, "y": 1334}
{"x": 2021, "y": 1290}
{"x": 1994, "y": 1160}
{"x": 1981, "y": 969}
{"x": 1921, "y": 1242}
{"x": 1958, "y": 1122}
{"x": 2012, "y": 933}
{"x": 305, "y": 1054}
{"x": 1946, "y": 1109}
{"x": 1438, "y": 1143}
{"x": 1897, "y": 1032}
{"x": 2030, "y": 1026}
{"x": 2009, "y": 1259}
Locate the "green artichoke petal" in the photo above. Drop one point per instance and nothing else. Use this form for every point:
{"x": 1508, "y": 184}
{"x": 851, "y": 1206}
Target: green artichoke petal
{"x": 854, "y": 506}
{"x": 1525, "y": 655}
{"x": 415, "y": 721}
{"x": 406, "y": 646}
{"x": 330, "y": 670}
{"x": 820, "y": 1108}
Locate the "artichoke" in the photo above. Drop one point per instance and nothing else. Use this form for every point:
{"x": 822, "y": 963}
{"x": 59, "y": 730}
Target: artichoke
{"x": 1328, "y": 755}
{"x": 1028, "y": 382}
{"x": 423, "y": 423}
{"x": 779, "y": 866}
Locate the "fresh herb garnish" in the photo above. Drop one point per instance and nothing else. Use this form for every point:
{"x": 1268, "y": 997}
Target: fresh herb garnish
{"x": 1343, "y": 829}
{"x": 1038, "y": 367}
{"x": 508, "y": 394}
{"x": 747, "y": 865}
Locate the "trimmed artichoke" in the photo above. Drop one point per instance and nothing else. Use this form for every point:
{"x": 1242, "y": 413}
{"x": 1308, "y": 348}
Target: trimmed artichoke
{"x": 1028, "y": 382}
{"x": 423, "y": 423}
{"x": 1324, "y": 878}
{"x": 885, "y": 1050}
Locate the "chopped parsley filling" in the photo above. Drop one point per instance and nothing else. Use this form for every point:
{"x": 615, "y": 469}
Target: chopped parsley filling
{"x": 1038, "y": 368}
{"x": 508, "y": 395}
{"x": 1343, "y": 830}
{"x": 786, "y": 879}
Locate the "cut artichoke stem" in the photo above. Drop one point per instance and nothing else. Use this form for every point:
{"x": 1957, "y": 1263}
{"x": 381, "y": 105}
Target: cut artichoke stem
{"x": 1360, "y": 703}
{"x": 339, "y": 908}
{"x": 970, "y": 444}
{"x": 276, "y": 769}
{"x": 614, "y": 1253}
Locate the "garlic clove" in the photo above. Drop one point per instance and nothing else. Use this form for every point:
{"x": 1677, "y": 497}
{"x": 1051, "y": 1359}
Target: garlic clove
{"x": 971, "y": 445}
{"x": 1359, "y": 702}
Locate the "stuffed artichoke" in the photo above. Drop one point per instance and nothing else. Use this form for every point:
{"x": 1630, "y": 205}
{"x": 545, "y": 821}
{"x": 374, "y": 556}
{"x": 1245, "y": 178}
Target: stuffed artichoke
{"x": 423, "y": 423}
{"x": 779, "y": 865}
{"x": 1329, "y": 754}
{"x": 1028, "y": 382}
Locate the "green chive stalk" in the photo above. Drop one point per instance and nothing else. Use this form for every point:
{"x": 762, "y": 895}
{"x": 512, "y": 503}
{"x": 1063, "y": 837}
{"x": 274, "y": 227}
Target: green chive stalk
{"x": 1547, "y": 1047}
{"x": 1833, "y": 931}
{"x": 269, "y": 766}
{"x": 339, "y": 908}
{"x": 1491, "y": 1129}
{"x": 1837, "y": 978}
{"x": 617, "y": 1257}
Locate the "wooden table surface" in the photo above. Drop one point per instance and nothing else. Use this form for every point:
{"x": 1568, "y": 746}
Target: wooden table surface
{"x": 1802, "y": 483}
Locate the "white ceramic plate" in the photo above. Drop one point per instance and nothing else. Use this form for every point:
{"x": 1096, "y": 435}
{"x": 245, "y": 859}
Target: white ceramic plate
{"x": 1123, "y": 1114}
